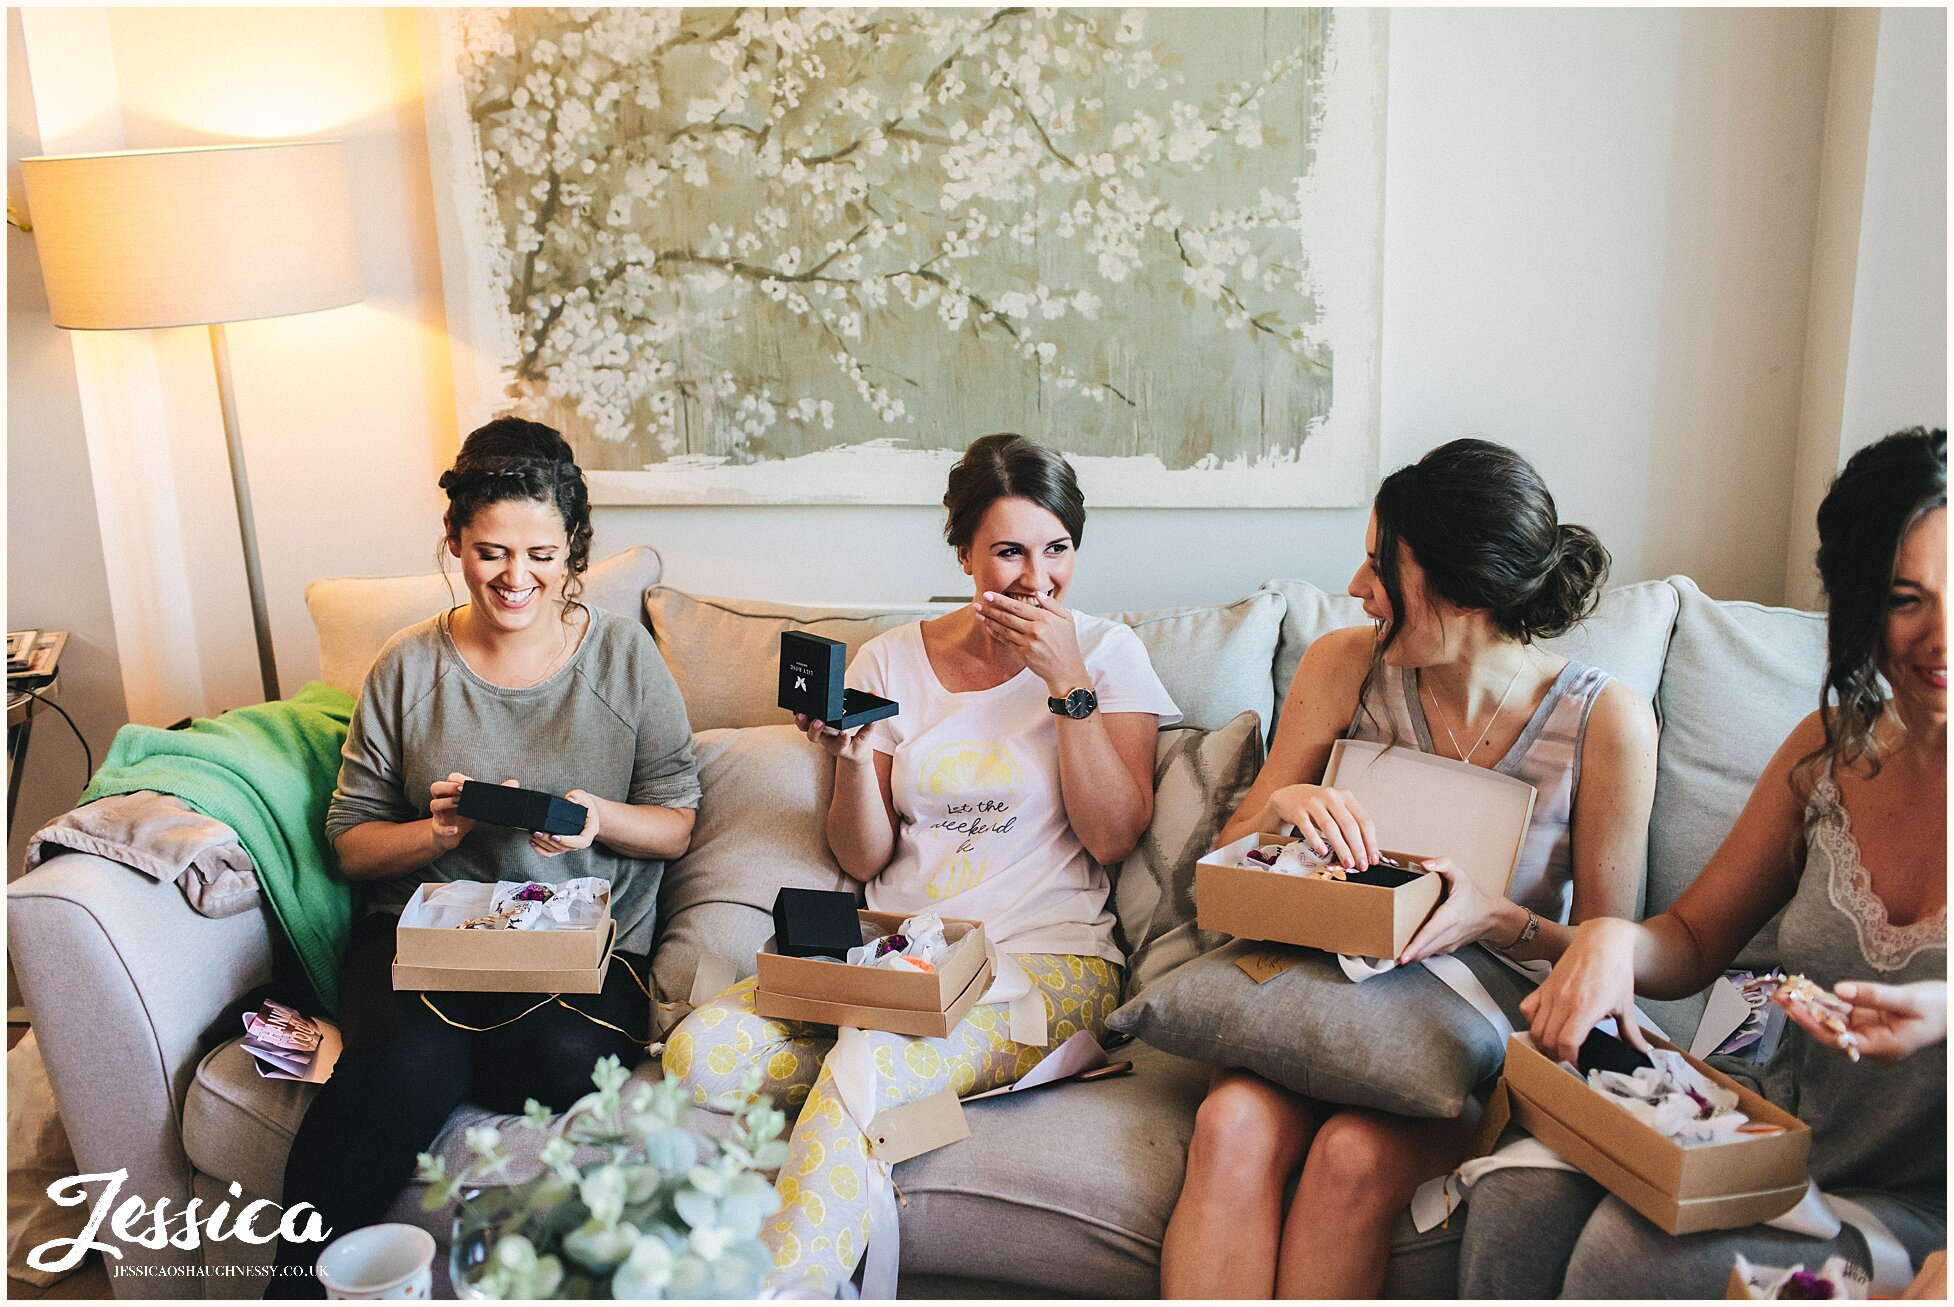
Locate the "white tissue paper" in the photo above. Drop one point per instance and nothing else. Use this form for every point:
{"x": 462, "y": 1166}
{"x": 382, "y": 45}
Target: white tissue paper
{"x": 1675, "y": 1098}
{"x": 924, "y": 947}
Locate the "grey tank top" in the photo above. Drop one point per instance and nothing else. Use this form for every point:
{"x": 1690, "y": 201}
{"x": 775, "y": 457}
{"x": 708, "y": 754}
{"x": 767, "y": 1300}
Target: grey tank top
{"x": 1547, "y": 756}
{"x": 1878, "y": 1128}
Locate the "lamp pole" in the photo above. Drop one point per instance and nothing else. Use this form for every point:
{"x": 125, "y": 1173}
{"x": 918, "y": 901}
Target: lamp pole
{"x": 247, "y": 528}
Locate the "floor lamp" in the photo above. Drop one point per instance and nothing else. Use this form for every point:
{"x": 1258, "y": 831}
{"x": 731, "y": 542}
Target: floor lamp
{"x": 144, "y": 239}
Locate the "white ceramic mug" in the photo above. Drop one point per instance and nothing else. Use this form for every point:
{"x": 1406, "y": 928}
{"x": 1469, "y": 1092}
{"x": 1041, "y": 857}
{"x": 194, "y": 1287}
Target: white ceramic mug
{"x": 379, "y": 1261}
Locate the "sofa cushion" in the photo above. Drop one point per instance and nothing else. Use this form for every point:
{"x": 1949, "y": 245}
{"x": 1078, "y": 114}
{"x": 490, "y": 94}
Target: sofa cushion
{"x": 1739, "y": 677}
{"x": 355, "y": 615}
{"x": 1068, "y": 1188}
{"x": 1199, "y": 778}
{"x": 725, "y": 653}
{"x": 1214, "y": 661}
{"x": 1400, "y": 1042}
{"x": 761, "y": 826}
{"x": 1626, "y": 636}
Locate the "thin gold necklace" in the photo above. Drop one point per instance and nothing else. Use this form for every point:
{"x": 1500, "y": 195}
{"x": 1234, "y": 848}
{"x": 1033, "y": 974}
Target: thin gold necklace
{"x": 1497, "y": 709}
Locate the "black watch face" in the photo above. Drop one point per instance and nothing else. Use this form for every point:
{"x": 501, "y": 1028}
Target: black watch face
{"x": 1080, "y": 703}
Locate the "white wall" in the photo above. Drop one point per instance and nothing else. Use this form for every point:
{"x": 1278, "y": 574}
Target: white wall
{"x": 1598, "y": 241}
{"x": 57, "y": 577}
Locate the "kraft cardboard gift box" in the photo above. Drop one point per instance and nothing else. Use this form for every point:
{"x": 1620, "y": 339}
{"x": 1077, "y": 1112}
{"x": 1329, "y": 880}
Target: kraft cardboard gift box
{"x": 1681, "y": 1189}
{"x": 1250, "y": 902}
{"x": 829, "y": 992}
{"x": 1474, "y": 816}
{"x": 446, "y": 958}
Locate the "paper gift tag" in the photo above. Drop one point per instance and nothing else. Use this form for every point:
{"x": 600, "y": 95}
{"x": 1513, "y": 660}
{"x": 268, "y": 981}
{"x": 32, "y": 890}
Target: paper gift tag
{"x": 900, "y": 1133}
{"x": 1266, "y": 963}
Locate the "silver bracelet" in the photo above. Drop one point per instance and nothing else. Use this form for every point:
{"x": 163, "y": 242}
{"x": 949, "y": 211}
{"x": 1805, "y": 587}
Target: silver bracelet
{"x": 1527, "y": 932}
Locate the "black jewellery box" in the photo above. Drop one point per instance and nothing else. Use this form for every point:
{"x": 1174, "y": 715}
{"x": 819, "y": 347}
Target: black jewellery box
{"x": 815, "y": 923}
{"x": 530, "y": 810}
{"x": 811, "y": 683}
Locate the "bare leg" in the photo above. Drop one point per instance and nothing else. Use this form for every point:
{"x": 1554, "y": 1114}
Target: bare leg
{"x": 1360, "y": 1173}
{"x": 1249, "y": 1137}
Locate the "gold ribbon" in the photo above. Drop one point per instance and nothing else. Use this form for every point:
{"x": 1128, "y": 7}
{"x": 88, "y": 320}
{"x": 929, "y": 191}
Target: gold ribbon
{"x": 558, "y": 1000}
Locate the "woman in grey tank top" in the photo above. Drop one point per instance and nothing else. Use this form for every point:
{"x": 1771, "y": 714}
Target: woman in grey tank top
{"x": 1847, "y": 832}
{"x": 1467, "y": 564}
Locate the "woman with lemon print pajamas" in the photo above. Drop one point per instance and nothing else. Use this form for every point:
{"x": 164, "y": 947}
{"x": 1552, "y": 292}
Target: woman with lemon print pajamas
{"x": 1020, "y": 763}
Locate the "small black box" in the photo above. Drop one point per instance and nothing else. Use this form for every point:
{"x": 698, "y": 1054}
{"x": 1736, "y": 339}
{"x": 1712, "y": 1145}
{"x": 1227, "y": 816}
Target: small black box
{"x": 812, "y": 668}
{"x": 1601, "y": 1051}
{"x": 815, "y": 923}
{"x": 530, "y": 810}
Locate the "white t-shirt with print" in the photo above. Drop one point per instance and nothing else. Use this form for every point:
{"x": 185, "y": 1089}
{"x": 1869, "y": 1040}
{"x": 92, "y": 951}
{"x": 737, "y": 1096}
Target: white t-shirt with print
{"x": 975, "y": 781}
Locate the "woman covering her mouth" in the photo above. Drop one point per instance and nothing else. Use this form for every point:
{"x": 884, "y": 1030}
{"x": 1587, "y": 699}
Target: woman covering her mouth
{"x": 1020, "y": 764}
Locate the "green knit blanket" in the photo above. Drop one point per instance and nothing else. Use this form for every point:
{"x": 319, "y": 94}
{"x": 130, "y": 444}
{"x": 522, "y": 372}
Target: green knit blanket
{"x": 267, "y": 772}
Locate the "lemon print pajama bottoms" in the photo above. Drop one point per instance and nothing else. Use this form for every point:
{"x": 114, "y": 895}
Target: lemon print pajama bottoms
{"x": 822, "y": 1227}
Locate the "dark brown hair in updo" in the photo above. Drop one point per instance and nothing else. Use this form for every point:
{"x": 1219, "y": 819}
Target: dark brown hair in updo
{"x": 512, "y": 458}
{"x": 1482, "y": 525}
{"x": 1007, "y": 466}
{"x": 1879, "y": 496}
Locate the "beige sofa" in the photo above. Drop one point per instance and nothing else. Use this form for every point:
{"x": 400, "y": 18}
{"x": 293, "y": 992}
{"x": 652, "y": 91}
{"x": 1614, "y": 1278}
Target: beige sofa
{"x": 1064, "y": 1192}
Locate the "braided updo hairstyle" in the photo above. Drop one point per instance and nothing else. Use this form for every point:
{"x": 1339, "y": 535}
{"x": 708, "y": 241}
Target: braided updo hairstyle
{"x": 512, "y": 458}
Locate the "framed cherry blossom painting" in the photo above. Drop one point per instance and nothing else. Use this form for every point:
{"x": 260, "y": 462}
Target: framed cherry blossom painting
{"x": 805, "y": 256}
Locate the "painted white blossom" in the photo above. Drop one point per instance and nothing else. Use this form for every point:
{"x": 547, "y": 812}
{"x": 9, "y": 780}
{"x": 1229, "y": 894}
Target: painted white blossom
{"x": 675, "y": 186}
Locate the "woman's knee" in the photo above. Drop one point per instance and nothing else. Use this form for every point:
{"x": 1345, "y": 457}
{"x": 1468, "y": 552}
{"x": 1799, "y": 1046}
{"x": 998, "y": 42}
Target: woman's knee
{"x": 716, "y": 1046}
{"x": 1247, "y": 1126}
{"x": 1620, "y": 1255}
{"x": 1361, "y": 1161}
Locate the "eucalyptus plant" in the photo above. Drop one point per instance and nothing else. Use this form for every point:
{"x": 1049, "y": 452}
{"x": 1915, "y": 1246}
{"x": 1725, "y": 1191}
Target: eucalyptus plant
{"x": 630, "y": 1201}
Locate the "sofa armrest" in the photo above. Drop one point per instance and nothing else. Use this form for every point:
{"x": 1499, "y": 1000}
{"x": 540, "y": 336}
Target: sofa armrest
{"x": 120, "y": 977}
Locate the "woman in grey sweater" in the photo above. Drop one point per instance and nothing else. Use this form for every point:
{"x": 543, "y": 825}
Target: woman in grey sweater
{"x": 521, "y": 682}
{"x": 1847, "y": 831}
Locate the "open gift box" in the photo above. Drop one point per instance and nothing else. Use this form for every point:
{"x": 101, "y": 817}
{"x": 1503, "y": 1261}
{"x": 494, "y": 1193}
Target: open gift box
{"x": 834, "y": 993}
{"x": 432, "y": 953}
{"x": 1237, "y": 898}
{"x": 1682, "y": 1189}
{"x": 1476, "y": 817}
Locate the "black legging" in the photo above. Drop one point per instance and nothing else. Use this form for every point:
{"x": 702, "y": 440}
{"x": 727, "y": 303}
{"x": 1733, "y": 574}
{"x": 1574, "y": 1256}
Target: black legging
{"x": 404, "y": 1070}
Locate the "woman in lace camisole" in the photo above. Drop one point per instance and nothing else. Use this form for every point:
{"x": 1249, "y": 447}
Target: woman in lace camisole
{"x": 1846, "y": 831}
{"x": 1466, "y": 566}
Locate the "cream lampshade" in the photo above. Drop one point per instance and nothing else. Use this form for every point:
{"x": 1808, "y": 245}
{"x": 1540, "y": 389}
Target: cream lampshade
{"x": 198, "y": 237}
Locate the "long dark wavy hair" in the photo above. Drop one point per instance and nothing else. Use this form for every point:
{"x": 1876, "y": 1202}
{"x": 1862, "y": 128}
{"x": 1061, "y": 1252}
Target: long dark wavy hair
{"x": 511, "y": 458}
{"x": 1877, "y": 498}
{"x": 1482, "y": 524}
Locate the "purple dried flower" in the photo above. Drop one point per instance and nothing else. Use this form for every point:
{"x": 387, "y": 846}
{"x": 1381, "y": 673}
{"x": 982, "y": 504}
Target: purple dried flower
{"x": 1807, "y": 1286}
{"x": 534, "y": 893}
{"x": 1256, "y": 855}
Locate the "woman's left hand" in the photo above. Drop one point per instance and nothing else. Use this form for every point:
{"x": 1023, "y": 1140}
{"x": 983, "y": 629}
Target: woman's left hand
{"x": 1466, "y": 913}
{"x": 1042, "y": 634}
{"x": 551, "y": 846}
{"x": 1888, "y": 1022}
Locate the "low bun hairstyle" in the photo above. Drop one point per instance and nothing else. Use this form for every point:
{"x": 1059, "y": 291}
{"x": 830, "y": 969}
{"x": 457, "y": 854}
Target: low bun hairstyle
{"x": 1481, "y": 523}
{"x": 1006, "y": 466}
{"x": 512, "y": 458}
{"x": 1877, "y": 498}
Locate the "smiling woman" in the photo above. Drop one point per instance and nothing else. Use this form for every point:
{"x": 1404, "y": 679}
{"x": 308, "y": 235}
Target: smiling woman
{"x": 521, "y": 681}
{"x": 1020, "y": 765}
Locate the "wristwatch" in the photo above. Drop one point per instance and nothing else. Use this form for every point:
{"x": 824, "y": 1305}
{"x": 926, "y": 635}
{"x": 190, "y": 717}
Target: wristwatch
{"x": 1527, "y": 932}
{"x": 1077, "y": 704}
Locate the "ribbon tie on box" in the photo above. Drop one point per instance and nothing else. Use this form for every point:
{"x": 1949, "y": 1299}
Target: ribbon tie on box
{"x": 1011, "y": 985}
{"x": 852, "y": 1063}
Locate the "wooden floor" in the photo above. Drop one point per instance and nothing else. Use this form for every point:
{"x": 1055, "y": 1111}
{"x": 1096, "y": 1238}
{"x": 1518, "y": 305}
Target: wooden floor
{"x": 89, "y": 1280}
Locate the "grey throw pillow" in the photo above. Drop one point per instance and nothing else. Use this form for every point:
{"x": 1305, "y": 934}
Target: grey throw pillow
{"x": 1199, "y": 778}
{"x": 1401, "y": 1042}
